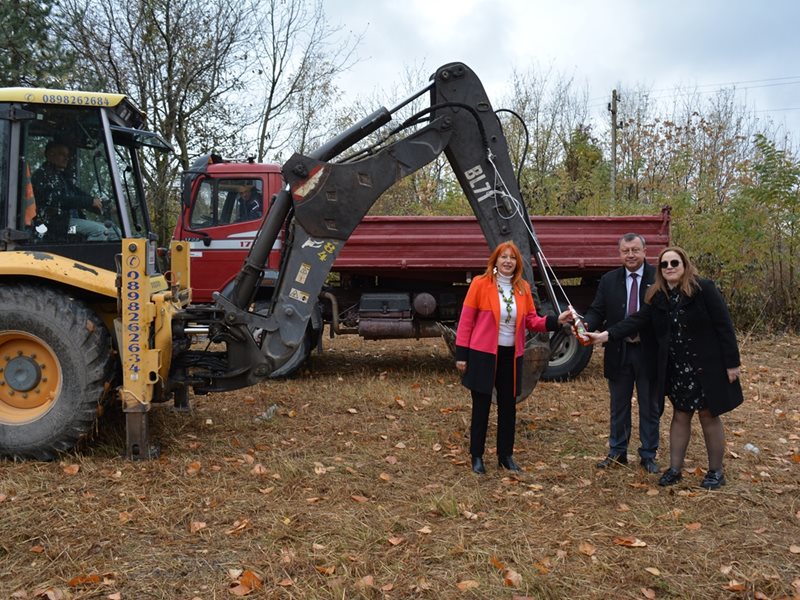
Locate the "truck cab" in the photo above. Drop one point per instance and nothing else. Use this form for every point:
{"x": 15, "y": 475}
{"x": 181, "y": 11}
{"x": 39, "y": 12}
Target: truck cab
{"x": 228, "y": 203}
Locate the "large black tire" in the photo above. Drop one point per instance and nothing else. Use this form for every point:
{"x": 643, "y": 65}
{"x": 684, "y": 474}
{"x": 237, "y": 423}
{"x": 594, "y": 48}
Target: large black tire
{"x": 56, "y": 358}
{"x": 569, "y": 358}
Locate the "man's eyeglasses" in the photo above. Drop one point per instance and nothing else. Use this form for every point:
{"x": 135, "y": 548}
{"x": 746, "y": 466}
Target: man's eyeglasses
{"x": 672, "y": 263}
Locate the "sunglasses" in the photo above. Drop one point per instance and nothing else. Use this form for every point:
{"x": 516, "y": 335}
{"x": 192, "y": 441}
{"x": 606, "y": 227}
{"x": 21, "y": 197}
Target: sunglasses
{"x": 672, "y": 263}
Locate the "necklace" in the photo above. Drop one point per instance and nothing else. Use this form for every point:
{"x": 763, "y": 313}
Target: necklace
{"x": 509, "y": 300}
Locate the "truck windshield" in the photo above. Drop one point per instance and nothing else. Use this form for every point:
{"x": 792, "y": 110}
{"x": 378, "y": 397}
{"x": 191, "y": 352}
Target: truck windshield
{"x": 227, "y": 201}
{"x": 67, "y": 193}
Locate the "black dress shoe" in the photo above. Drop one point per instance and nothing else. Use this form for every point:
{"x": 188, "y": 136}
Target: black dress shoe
{"x": 478, "y": 466}
{"x": 649, "y": 465}
{"x": 612, "y": 460}
{"x": 670, "y": 477}
{"x": 507, "y": 462}
{"x": 713, "y": 480}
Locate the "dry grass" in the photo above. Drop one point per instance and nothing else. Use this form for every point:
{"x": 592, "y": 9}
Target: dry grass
{"x": 358, "y": 487}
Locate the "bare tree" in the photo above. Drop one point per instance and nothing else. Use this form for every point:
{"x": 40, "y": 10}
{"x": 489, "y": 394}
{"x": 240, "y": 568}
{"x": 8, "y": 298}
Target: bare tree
{"x": 179, "y": 60}
{"x": 553, "y": 107}
{"x": 296, "y": 55}
{"x": 697, "y": 151}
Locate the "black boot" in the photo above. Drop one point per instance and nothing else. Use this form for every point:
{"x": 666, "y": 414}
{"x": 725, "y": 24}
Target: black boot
{"x": 507, "y": 462}
{"x": 478, "y": 466}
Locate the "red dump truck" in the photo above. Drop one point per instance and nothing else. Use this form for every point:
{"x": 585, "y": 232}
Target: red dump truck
{"x": 397, "y": 276}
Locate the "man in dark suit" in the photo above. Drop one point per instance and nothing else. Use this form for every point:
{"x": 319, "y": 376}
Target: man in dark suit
{"x": 619, "y": 294}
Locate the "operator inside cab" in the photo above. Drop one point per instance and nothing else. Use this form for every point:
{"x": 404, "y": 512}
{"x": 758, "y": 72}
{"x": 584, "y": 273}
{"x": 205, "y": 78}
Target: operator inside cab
{"x": 61, "y": 204}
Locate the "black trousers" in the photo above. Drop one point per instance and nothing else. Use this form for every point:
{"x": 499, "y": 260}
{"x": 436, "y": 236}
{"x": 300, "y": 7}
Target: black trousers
{"x": 506, "y": 408}
{"x": 633, "y": 371}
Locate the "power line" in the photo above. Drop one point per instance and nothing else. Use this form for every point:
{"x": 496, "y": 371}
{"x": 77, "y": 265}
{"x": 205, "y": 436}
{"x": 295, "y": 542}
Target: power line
{"x": 677, "y": 91}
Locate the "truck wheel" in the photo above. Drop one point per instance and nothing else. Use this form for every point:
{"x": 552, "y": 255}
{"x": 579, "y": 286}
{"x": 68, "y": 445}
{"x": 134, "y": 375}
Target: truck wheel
{"x": 569, "y": 358}
{"x": 55, "y": 358}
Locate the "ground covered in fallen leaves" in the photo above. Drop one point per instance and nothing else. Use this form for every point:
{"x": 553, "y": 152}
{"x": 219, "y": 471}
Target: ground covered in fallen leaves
{"x": 352, "y": 481}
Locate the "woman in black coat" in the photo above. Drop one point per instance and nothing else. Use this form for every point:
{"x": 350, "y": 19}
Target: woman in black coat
{"x": 696, "y": 358}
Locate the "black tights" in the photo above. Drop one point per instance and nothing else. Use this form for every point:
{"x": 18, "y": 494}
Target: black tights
{"x": 680, "y": 431}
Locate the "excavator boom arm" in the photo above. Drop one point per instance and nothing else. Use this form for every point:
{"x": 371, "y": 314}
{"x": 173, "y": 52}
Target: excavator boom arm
{"x": 329, "y": 199}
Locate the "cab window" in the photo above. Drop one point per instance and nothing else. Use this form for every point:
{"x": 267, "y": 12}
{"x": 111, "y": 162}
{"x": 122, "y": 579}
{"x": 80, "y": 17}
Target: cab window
{"x": 227, "y": 201}
{"x": 66, "y": 192}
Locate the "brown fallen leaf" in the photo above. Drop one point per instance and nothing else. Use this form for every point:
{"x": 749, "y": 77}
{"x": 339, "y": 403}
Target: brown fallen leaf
{"x": 194, "y": 468}
{"x": 37, "y": 549}
{"x": 511, "y": 578}
{"x": 238, "y": 526}
{"x": 396, "y": 540}
{"x": 467, "y": 584}
{"x": 693, "y": 526}
{"x": 196, "y": 526}
{"x": 794, "y": 549}
{"x": 258, "y": 470}
{"x": 285, "y": 582}
{"x": 358, "y": 498}
{"x": 648, "y": 593}
{"x": 92, "y": 579}
{"x": 587, "y": 549}
{"x": 365, "y": 582}
{"x": 72, "y": 469}
{"x": 653, "y": 571}
{"x": 422, "y": 585}
{"x": 239, "y": 589}
{"x": 629, "y": 542}
{"x": 426, "y": 530}
{"x": 493, "y": 560}
{"x": 734, "y": 586}
{"x": 115, "y": 596}
{"x": 330, "y": 570}
{"x": 541, "y": 567}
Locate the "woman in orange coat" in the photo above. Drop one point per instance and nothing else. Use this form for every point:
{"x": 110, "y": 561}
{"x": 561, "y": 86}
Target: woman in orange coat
{"x": 490, "y": 342}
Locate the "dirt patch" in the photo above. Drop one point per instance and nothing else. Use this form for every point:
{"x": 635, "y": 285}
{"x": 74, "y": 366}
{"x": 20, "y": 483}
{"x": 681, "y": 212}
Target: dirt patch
{"x": 352, "y": 481}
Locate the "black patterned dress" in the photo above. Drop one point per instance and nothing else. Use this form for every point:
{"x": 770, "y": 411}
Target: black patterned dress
{"x": 685, "y": 391}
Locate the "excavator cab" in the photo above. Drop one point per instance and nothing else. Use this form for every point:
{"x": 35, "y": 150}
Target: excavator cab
{"x": 73, "y": 185}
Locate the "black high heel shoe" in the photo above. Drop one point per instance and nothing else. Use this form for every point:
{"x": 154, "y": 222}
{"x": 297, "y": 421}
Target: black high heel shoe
{"x": 507, "y": 462}
{"x": 478, "y": 466}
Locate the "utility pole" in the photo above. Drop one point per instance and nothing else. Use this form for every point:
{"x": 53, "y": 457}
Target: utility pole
{"x": 612, "y": 107}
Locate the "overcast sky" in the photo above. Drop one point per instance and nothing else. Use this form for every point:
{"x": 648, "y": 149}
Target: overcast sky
{"x": 604, "y": 44}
